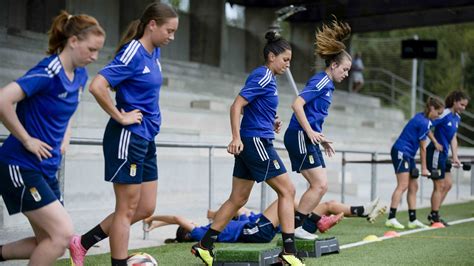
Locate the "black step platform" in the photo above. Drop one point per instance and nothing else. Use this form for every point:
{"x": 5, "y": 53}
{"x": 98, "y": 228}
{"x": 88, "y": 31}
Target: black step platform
{"x": 247, "y": 256}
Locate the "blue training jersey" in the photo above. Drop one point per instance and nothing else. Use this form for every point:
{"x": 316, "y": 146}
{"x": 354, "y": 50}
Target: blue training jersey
{"x": 51, "y": 99}
{"x": 414, "y": 131}
{"x": 136, "y": 76}
{"x": 446, "y": 127}
{"x": 231, "y": 232}
{"x": 318, "y": 97}
{"x": 261, "y": 92}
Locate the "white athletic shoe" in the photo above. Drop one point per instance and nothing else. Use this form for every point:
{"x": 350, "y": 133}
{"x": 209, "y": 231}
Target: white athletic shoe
{"x": 300, "y": 233}
{"x": 416, "y": 224}
{"x": 369, "y": 207}
{"x": 393, "y": 223}
{"x": 376, "y": 212}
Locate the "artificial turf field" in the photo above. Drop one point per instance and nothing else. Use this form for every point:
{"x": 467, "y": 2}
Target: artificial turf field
{"x": 453, "y": 245}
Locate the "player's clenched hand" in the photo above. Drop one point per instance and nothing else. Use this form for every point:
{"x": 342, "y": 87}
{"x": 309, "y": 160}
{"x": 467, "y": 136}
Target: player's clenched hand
{"x": 438, "y": 146}
{"x": 132, "y": 117}
{"x": 235, "y": 146}
{"x": 425, "y": 172}
{"x": 277, "y": 124}
{"x": 39, "y": 148}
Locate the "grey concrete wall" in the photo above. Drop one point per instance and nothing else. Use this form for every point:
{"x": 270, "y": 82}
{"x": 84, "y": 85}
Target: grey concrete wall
{"x": 105, "y": 11}
{"x": 233, "y": 49}
{"x": 257, "y": 21}
{"x": 179, "y": 49}
{"x": 16, "y": 16}
{"x": 129, "y": 11}
{"x": 207, "y": 17}
{"x": 303, "y": 59}
{"x": 4, "y": 6}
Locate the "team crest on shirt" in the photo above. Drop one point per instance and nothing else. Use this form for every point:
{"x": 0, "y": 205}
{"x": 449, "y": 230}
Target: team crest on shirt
{"x": 277, "y": 165}
{"x": 328, "y": 94}
{"x": 35, "y": 194}
{"x": 133, "y": 169}
{"x": 450, "y": 124}
{"x": 158, "y": 63}
{"x": 311, "y": 159}
{"x": 62, "y": 95}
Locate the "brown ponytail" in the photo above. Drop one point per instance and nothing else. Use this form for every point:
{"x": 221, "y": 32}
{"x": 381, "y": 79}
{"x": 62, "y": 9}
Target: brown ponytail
{"x": 156, "y": 11}
{"x": 330, "y": 41}
{"x": 65, "y": 26}
{"x": 432, "y": 102}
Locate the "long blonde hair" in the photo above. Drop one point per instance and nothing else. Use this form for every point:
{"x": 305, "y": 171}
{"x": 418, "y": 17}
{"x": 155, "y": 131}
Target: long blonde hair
{"x": 330, "y": 41}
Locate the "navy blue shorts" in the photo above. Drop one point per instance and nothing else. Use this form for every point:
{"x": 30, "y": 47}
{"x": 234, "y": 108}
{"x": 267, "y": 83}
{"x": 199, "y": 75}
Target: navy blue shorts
{"x": 261, "y": 231}
{"x": 303, "y": 153}
{"x": 129, "y": 158}
{"x": 401, "y": 162}
{"x": 258, "y": 161}
{"x": 437, "y": 161}
{"x": 26, "y": 190}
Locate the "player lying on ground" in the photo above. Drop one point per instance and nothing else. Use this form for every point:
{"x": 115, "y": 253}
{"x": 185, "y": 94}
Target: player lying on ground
{"x": 253, "y": 227}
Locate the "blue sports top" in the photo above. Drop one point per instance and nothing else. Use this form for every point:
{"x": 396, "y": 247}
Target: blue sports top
{"x": 318, "y": 97}
{"x": 231, "y": 232}
{"x": 261, "y": 92}
{"x": 51, "y": 99}
{"x": 446, "y": 127}
{"x": 136, "y": 76}
{"x": 414, "y": 131}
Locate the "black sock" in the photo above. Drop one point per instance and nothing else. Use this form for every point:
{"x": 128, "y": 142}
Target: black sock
{"x": 412, "y": 215}
{"x": 1, "y": 256}
{"x": 209, "y": 238}
{"x": 357, "y": 211}
{"x": 288, "y": 243}
{"x": 392, "y": 213}
{"x": 90, "y": 238}
{"x": 120, "y": 262}
{"x": 314, "y": 217}
{"x": 434, "y": 216}
{"x": 299, "y": 218}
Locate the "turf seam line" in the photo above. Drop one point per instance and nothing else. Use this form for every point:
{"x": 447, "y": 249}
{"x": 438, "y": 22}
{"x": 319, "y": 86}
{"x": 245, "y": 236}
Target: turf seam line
{"x": 363, "y": 242}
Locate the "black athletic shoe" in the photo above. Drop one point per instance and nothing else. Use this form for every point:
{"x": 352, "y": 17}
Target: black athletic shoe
{"x": 206, "y": 255}
{"x": 432, "y": 221}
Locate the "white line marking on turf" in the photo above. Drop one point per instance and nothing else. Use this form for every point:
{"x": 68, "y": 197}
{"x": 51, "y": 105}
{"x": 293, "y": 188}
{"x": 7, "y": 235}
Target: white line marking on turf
{"x": 360, "y": 243}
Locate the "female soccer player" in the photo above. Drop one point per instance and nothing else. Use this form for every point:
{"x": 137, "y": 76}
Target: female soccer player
{"x": 129, "y": 146}
{"x": 45, "y": 97}
{"x": 256, "y": 160}
{"x": 444, "y": 136}
{"x": 304, "y": 133}
{"x": 403, "y": 154}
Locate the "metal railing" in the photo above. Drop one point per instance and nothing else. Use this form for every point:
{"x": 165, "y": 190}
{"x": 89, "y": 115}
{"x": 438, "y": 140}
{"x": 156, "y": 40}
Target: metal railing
{"x": 399, "y": 88}
{"x": 211, "y": 147}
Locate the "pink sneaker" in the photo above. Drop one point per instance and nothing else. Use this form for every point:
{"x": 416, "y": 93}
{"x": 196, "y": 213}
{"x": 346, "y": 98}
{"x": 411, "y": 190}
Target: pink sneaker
{"x": 327, "y": 222}
{"x": 77, "y": 251}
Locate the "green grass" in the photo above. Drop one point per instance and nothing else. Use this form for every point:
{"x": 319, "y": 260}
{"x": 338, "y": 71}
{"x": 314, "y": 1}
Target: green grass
{"x": 453, "y": 245}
